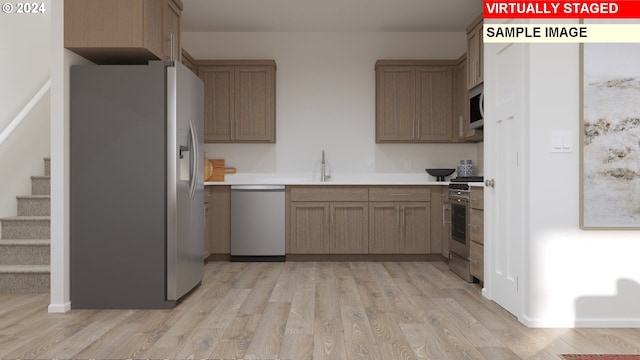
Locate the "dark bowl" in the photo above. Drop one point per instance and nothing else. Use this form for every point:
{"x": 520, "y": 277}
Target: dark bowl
{"x": 440, "y": 173}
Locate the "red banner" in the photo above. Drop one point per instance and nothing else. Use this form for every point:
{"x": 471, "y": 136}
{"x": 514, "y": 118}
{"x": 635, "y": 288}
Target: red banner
{"x": 520, "y": 9}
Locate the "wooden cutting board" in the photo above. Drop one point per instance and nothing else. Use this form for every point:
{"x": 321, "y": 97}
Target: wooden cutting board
{"x": 219, "y": 169}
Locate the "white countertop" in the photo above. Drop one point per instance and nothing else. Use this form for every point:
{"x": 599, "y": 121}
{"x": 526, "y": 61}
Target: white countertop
{"x": 336, "y": 179}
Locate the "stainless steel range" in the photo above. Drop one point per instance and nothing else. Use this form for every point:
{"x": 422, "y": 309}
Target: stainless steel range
{"x": 459, "y": 242}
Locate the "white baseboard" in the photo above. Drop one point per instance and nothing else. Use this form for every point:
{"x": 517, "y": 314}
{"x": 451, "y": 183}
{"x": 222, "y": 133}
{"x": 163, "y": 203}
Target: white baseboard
{"x": 59, "y": 308}
{"x": 582, "y": 323}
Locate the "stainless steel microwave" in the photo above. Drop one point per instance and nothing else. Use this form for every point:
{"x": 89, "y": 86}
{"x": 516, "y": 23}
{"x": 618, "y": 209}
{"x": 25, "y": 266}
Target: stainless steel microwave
{"x": 476, "y": 107}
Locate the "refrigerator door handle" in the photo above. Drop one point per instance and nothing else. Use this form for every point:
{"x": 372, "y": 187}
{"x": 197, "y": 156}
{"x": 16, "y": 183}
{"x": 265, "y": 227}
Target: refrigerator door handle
{"x": 193, "y": 168}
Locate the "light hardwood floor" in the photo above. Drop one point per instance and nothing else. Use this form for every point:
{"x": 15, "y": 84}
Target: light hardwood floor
{"x": 302, "y": 310}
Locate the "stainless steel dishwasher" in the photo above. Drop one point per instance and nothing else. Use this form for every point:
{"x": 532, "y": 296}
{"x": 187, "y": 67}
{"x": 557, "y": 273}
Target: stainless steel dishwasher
{"x": 257, "y": 223}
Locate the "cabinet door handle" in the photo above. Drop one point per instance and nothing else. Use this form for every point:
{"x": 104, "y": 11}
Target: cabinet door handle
{"x": 172, "y": 56}
{"x": 397, "y": 215}
{"x": 473, "y": 226}
{"x": 236, "y": 136}
{"x": 326, "y": 218}
{"x": 403, "y": 215}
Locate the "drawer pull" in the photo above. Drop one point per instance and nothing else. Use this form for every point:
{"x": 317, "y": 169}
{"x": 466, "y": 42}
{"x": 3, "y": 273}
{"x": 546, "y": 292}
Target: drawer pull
{"x": 473, "y": 226}
{"x": 401, "y": 194}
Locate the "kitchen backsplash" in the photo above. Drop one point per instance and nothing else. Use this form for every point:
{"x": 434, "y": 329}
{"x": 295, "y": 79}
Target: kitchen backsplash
{"x": 294, "y": 157}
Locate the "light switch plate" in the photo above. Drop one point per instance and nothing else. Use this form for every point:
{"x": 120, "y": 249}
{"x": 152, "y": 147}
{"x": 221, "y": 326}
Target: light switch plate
{"x": 561, "y": 141}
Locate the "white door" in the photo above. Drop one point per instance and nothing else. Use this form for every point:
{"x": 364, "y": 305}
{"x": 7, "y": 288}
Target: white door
{"x": 506, "y": 81}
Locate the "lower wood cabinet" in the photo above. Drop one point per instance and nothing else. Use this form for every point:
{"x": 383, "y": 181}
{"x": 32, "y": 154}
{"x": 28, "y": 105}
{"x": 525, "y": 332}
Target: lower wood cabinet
{"x": 399, "y": 227}
{"x": 328, "y": 220}
{"x": 207, "y": 222}
{"x": 476, "y": 232}
{"x": 329, "y": 228}
{"x": 342, "y": 220}
{"x": 400, "y": 220}
{"x": 476, "y": 263}
{"x": 218, "y": 219}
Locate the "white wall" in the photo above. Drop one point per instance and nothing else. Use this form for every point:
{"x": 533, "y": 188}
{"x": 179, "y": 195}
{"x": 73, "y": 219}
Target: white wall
{"x": 24, "y": 69}
{"x": 61, "y": 61}
{"x": 575, "y": 277}
{"x": 325, "y": 99}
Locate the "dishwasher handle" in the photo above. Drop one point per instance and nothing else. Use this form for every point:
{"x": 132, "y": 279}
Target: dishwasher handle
{"x": 257, "y": 187}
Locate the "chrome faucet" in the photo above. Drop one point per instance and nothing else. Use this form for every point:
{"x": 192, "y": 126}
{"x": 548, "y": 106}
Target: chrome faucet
{"x": 323, "y": 174}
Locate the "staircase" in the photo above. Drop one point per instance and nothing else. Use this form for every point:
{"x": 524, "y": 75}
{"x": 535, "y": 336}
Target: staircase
{"x": 25, "y": 241}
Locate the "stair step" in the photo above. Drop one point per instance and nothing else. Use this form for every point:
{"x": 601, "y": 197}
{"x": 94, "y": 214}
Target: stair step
{"x": 47, "y": 166}
{"x": 34, "y": 205}
{"x": 25, "y": 252}
{"x": 25, "y": 279}
{"x": 26, "y": 227}
{"x": 41, "y": 185}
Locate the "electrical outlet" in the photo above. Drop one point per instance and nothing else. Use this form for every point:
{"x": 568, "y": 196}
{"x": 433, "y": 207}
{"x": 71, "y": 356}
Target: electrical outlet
{"x": 408, "y": 164}
{"x": 371, "y": 160}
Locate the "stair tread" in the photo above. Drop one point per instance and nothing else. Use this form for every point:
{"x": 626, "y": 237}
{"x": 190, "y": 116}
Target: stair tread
{"x": 27, "y": 218}
{"x": 4, "y": 242}
{"x": 25, "y": 268}
{"x": 33, "y": 196}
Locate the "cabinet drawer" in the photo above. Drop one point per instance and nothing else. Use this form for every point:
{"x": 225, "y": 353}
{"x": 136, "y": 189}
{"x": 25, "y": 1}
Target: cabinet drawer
{"x": 476, "y": 198}
{"x": 400, "y": 193}
{"x": 329, "y": 193}
{"x": 476, "y": 265}
{"x": 476, "y": 226}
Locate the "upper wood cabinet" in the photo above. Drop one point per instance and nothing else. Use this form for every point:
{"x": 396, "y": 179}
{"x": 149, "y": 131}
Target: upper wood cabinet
{"x": 413, "y": 101}
{"x": 239, "y": 100}
{"x": 189, "y": 61}
{"x": 462, "y": 130}
{"x": 123, "y": 31}
{"x": 475, "y": 54}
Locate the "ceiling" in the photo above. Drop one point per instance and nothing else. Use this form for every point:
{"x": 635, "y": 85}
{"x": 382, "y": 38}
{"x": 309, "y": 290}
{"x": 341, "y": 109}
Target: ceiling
{"x": 329, "y": 15}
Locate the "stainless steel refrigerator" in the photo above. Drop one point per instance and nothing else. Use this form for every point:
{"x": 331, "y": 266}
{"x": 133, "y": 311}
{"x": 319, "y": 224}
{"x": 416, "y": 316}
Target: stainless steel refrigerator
{"x": 136, "y": 188}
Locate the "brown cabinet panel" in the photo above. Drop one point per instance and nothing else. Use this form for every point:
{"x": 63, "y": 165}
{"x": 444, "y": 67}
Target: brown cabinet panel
{"x": 399, "y": 193}
{"x": 475, "y": 63}
{"x": 219, "y": 102}
{"x": 476, "y": 226}
{"x": 171, "y": 47}
{"x": 415, "y": 228}
{"x": 433, "y": 102}
{"x": 329, "y": 193}
{"x": 446, "y": 221}
{"x": 189, "y": 61}
{"x": 476, "y": 232}
{"x": 255, "y": 108}
{"x": 476, "y": 264}
{"x": 239, "y": 100}
{"x": 399, "y": 227}
{"x": 310, "y": 229}
{"x": 476, "y": 198}
{"x": 384, "y": 227}
{"x": 122, "y": 31}
{"x": 219, "y": 219}
{"x": 395, "y": 103}
{"x": 349, "y": 231}
{"x": 437, "y": 219}
{"x": 414, "y": 101}
{"x": 207, "y": 222}
{"x": 461, "y": 127}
